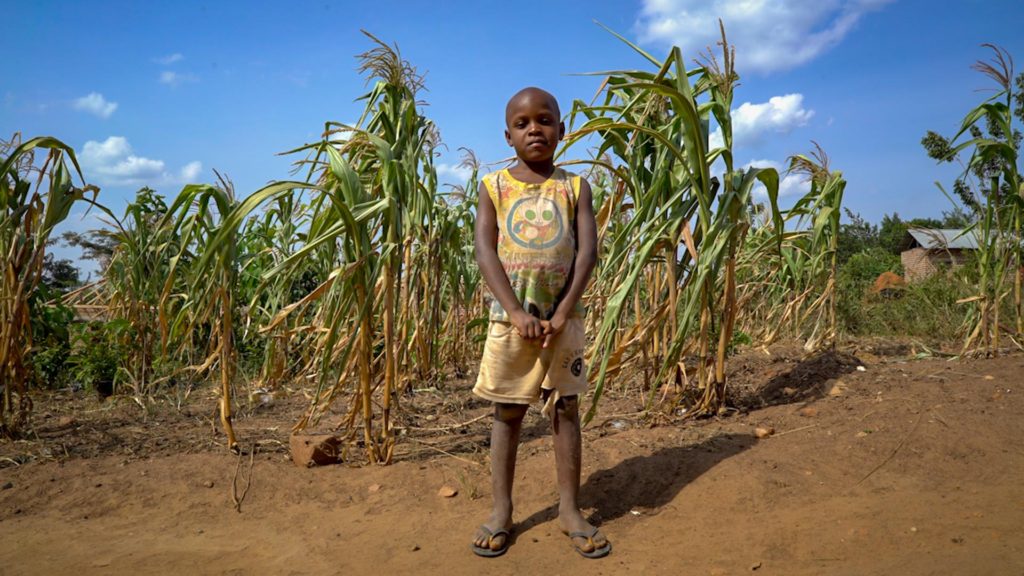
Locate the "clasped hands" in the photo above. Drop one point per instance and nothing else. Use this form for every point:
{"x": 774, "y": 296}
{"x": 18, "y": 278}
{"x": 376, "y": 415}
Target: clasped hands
{"x": 531, "y": 327}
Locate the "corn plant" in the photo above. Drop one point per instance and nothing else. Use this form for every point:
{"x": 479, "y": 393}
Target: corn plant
{"x": 199, "y": 293}
{"x": 267, "y": 240}
{"x": 685, "y": 227}
{"x": 133, "y": 280}
{"x": 33, "y": 200}
{"x": 995, "y": 157}
{"x": 447, "y": 283}
{"x": 788, "y": 280}
{"x": 371, "y": 212}
{"x": 822, "y": 208}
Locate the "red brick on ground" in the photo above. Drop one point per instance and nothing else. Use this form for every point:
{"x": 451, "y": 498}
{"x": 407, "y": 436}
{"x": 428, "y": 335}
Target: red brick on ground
{"x": 310, "y": 450}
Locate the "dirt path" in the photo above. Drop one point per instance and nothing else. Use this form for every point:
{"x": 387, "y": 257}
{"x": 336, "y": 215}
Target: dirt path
{"x": 906, "y": 468}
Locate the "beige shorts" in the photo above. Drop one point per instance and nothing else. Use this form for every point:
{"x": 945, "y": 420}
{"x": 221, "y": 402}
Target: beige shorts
{"x": 514, "y": 369}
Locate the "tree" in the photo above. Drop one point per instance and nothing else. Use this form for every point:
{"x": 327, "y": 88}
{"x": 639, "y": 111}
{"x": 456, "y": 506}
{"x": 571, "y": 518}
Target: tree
{"x": 973, "y": 186}
{"x": 855, "y": 236}
{"x": 891, "y": 232}
{"x": 893, "y": 229}
{"x": 59, "y": 276}
{"x": 95, "y": 245}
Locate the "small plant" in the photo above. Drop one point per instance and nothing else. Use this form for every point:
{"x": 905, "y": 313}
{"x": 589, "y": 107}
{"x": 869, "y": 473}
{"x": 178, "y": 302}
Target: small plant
{"x": 469, "y": 487}
{"x": 51, "y": 339}
{"x": 97, "y": 355}
{"x": 739, "y": 338}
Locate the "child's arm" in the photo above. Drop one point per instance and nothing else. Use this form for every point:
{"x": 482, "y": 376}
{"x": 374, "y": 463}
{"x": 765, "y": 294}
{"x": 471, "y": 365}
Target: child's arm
{"x": 586, "y": 258}
{"x": 486, "y": 242}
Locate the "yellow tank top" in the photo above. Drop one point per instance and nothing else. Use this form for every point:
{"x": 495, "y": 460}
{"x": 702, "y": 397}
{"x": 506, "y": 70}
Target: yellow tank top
{"x": 536, "y": 239}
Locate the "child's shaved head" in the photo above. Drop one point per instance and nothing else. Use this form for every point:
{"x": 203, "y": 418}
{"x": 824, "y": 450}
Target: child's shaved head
{"x": 530, "y": 93}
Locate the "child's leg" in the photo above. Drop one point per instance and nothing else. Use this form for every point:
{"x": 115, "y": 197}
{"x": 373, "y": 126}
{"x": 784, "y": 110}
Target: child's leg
{"x": 508, "y": 422}
{"x": 565, "y": 424}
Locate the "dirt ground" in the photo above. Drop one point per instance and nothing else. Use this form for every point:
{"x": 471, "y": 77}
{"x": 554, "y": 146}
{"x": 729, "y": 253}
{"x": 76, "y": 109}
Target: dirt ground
{"x": 911, "y": 465}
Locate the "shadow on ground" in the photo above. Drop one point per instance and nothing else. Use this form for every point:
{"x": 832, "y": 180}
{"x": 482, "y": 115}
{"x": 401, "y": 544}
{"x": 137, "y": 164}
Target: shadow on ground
{"x": 646, "y": 483}
{"x": 806, "y": 381}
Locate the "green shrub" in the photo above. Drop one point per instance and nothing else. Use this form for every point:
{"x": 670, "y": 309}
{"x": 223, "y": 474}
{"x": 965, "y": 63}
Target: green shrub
{"x": 51, "y": 339}
{"x": 97, "y": 354}
{"x": 861, "y": 269}
{"x": 925, "y": 309}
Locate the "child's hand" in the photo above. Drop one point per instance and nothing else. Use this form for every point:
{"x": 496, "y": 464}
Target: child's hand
{"x": 527, "y": 324}
{"x": 553, "y": 328}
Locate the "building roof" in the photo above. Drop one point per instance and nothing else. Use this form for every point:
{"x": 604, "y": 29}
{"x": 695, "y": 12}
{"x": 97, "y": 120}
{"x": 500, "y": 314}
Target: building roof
{"x": 941, "y": 239}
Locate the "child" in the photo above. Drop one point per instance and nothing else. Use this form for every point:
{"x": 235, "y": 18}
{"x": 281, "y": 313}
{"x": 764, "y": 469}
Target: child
{"x": 536, "y": 244}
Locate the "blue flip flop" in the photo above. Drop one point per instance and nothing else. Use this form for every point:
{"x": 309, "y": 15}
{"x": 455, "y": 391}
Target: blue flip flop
{"x": 486, "y": 551}
{"x": 589, "y": 535}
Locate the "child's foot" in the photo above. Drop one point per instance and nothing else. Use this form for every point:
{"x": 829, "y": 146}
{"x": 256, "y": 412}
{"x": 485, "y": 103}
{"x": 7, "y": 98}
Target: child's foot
{"x": 493, "y": 538}
{"x": 586, "y": 538}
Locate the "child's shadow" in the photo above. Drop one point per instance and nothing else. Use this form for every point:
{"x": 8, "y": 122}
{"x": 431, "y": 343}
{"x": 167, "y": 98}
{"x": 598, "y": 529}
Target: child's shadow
{"x": 646, "y": 483}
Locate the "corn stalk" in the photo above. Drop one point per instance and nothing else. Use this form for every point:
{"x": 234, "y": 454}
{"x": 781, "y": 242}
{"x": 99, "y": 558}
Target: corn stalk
{"x": 265, "y": 242}
{"x": 373, "y": 213}
{"x": 1000, "y": 258}
{"x": 199, "y": 293}
{"x": 29, "y": 211}
{"x": 788, "y": 279}
{"x": 678, "y": 248}
{"x": 133, "y": 280}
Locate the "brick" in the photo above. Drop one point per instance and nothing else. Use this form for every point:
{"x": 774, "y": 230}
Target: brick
{"x": 310, "y": 450}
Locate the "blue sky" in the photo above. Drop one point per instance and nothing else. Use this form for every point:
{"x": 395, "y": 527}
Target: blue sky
{"x": 160, "y": 94}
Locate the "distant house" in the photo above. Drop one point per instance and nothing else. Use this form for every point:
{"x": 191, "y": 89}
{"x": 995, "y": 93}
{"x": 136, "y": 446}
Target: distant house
{"x": 925, "y": 250}
{"x": 90, "y": 313}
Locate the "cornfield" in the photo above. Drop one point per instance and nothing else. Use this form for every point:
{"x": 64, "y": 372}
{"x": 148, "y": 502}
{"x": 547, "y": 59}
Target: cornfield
{"x": 356, "y": 280}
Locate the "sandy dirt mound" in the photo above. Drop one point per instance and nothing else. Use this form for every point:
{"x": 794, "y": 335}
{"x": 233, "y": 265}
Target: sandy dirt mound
{"x": 902, "y": 467}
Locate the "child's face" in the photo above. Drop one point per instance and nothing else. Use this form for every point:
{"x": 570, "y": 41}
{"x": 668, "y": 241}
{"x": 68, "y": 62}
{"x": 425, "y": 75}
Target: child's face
{"x": 533, "y": 126}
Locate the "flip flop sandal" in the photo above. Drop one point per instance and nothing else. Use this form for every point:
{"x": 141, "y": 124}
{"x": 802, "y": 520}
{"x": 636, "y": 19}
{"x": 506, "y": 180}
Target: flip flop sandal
{"x": 486, "y": 551}
{"x": 589, "y": 535}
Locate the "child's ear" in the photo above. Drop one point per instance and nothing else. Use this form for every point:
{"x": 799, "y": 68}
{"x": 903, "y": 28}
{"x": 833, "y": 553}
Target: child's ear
{"x": 508, "y": 137}
{"x": 561, "y": 130}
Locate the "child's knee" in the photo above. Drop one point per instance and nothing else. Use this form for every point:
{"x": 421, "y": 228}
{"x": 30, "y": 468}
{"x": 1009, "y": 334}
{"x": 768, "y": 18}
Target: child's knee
{"x": 509, "y": 412}
{"x": 567, "y": 407}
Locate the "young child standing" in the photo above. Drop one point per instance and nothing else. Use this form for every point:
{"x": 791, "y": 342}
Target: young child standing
{"x": 536, "y": 245}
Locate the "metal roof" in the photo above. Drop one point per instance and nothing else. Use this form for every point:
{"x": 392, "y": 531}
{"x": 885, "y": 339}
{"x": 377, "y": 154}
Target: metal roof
{"x": 943, "y": 239}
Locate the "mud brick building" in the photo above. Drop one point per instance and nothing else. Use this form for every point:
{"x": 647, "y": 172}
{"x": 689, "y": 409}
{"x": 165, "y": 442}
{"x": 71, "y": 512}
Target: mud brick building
{"x": 925, "y": 251}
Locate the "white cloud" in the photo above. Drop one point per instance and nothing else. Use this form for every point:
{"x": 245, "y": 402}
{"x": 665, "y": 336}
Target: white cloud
{"x": 794, "y": 185}
{"x": 175, "y": 78}
{"x": 113, "y": 163}
{"x": 715, "y": 139}
{"x": 769, "y": 35}
{"x": 779, "y": 114}
{"x": 169, "y": 59}
{"x": 789, "y": 184}
{"x": 453, "y": 174}
{"x": 94, "y": 103}
{"x": 189, "y": 172}
{"x": 751, "y": 122}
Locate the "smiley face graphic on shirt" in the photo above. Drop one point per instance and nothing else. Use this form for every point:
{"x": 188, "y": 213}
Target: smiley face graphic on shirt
{"x": 535, "y": 222}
